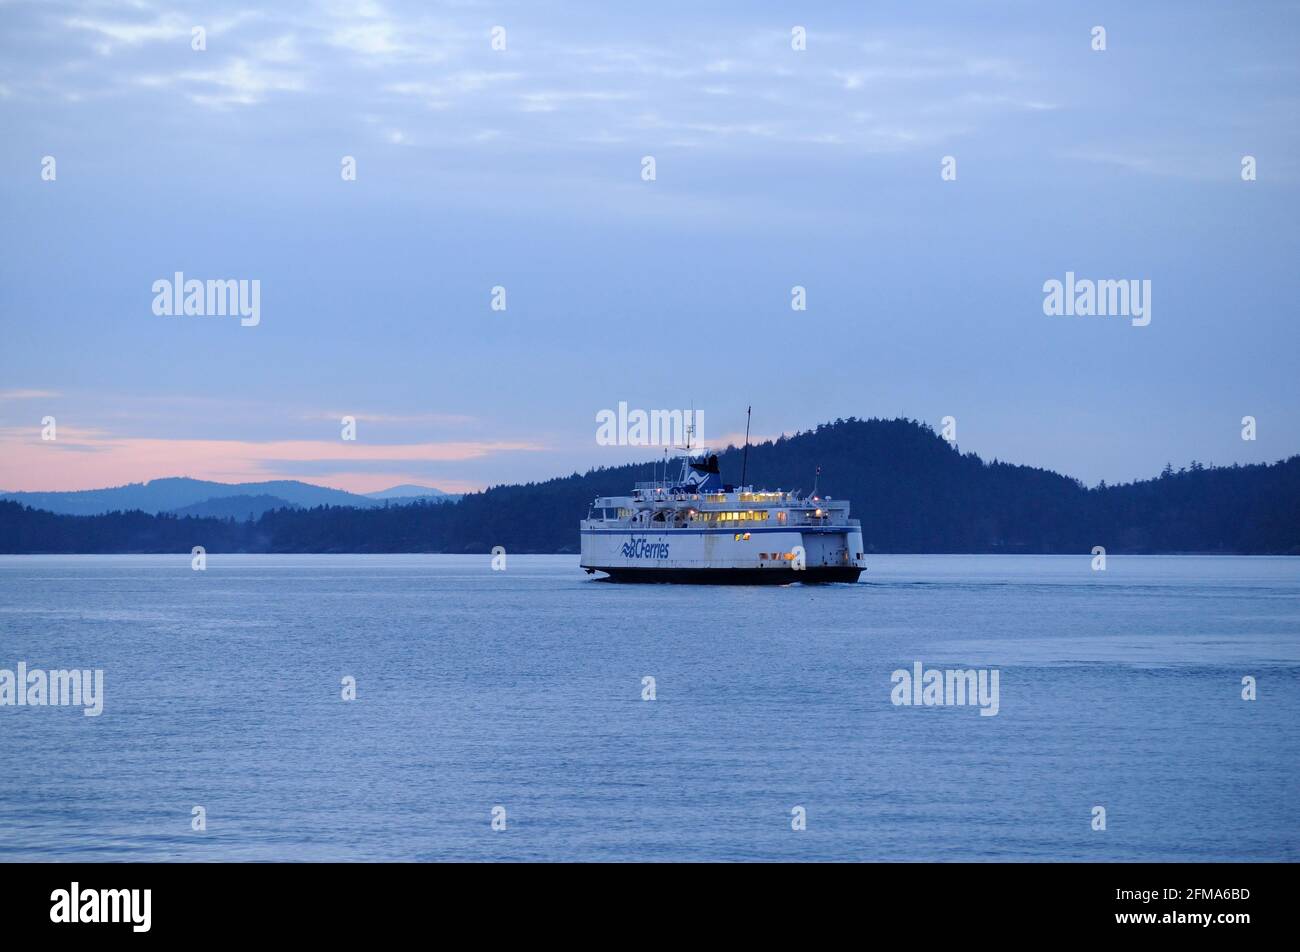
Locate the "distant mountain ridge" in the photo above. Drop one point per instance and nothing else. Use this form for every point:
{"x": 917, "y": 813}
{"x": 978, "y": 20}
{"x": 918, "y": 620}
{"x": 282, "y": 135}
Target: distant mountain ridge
{"x": 912, "y": 491}
{"x": 188, "y": 496}
{"x": 234, "y": 507}
{"x": 410, "y": 491}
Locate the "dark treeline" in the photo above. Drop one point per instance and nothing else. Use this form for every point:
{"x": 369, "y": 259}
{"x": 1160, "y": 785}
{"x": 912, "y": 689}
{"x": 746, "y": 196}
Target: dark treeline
{"x": 912, "y": 491}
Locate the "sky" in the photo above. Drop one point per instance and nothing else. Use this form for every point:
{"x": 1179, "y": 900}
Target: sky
{"x": 522, "y": 168}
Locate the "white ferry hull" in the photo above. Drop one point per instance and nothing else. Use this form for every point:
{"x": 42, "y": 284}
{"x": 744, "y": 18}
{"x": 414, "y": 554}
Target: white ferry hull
{"x": 758, "y": 556}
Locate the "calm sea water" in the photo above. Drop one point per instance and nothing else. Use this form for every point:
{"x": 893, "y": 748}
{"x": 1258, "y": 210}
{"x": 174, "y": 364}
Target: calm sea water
{"x": 523, "y": 689}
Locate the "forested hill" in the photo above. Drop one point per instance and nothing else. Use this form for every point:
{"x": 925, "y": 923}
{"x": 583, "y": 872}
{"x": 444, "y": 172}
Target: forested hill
{"x": 912, "y": 491}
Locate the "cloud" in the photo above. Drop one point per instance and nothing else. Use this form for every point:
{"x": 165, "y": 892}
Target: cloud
{"x": 280, "y": 49}
{"x": 168, "y": 27}
{"x": 365, "y": 62}
{"x": 1178, "y": 166}
{"x": 551, "y": 100}
{"x": 162, "y": 28}
{"x": 370, "y": 39}
{"x": 239, "y": 82}
{"x": 29, "y": 463}
{"x": 453, "y": 419}
{"x": 28, "y": 394}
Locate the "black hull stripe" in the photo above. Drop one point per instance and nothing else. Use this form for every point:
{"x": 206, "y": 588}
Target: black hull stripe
{"x": 814, "y": 575}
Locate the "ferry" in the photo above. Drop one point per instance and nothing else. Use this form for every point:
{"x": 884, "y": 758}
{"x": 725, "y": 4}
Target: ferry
{"x": 695, "y": 528}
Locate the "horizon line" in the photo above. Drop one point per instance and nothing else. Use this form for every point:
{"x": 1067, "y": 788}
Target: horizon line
{"x": 463, "y": 489}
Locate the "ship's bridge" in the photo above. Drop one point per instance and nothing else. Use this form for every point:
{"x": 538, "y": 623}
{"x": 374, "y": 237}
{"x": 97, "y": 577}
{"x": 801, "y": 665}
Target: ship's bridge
{"x": 660, "y": 505}
{"x": 698, "y": 499}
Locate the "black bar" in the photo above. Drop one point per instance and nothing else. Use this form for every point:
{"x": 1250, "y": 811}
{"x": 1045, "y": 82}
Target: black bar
{"x": 980, "y": 902}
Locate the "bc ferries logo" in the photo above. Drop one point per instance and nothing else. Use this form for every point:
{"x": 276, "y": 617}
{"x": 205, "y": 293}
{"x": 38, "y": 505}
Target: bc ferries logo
{"x": 644, "y": 549}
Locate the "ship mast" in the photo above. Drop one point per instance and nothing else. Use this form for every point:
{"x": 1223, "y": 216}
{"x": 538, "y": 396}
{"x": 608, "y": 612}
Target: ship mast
{"x": 744, "y": 459}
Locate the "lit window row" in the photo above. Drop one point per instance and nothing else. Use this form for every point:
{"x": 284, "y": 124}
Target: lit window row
{"x": 744, "y": 515}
